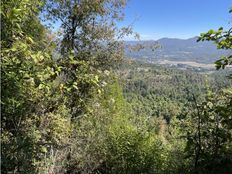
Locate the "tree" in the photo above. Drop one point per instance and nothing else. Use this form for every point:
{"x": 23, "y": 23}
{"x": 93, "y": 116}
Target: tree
{"x": 223, "y": 39}
{"x": 208, "y": 133}
{"x": 31, "y": 125}
{"x": 89, "y": 45}
{"x": 48, "y": 86}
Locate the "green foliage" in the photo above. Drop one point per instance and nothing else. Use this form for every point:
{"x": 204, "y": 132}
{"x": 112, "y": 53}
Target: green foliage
{"x": 64, "y": 111}
{"x": 170, "y": 101}
{"x": 208, "y": 133}
{"x": 223, "y": 40}
{"x": 157, "y": 91}
{"x": 132, "y": 149}
{"x": 32, "y": 127}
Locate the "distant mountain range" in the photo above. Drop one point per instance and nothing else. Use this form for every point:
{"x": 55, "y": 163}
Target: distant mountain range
{"x": 177, "y": 50}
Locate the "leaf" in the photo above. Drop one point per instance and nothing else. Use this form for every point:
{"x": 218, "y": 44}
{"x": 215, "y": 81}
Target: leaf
{"x": 96, "y": 78}
{"x": 44, "y": 149}
{"x": 30, "y": 40}
{"x": 230, "y": 11}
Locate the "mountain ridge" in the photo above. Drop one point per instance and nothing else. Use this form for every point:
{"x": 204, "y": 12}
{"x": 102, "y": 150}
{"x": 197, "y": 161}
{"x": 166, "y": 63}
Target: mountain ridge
{"x": 175, "y": 49}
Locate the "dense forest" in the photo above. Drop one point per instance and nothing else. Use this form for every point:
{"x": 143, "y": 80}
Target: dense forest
{"x": 73, "y": 103}
{"x": 155, "y": 90}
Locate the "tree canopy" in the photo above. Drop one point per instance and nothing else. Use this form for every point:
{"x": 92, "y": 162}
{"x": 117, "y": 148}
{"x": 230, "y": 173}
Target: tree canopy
{"x": 72, "y": 103}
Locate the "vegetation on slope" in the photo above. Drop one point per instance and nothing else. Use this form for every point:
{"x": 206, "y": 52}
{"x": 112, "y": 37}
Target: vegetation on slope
{"x": 63, "y": 108}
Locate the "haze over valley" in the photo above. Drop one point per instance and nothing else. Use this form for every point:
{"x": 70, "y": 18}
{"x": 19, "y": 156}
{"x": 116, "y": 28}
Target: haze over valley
{"x": 178, "y": 52}
{"x": 77, "y": 97}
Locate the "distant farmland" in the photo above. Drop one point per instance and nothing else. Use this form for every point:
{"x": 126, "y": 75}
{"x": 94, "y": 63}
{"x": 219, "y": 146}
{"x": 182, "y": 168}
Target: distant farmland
{"x": 189, "y": 63}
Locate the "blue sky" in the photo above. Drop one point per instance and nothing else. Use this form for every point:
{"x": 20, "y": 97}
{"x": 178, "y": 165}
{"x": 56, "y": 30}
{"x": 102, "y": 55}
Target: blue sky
{"x": 155, "y": 19}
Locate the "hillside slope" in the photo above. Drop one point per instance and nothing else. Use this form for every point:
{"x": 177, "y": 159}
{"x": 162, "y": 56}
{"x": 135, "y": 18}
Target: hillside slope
{"x": 177, "y": 50}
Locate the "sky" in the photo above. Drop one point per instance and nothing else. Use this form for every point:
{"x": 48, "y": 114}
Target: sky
{"x": 154, "y": 19}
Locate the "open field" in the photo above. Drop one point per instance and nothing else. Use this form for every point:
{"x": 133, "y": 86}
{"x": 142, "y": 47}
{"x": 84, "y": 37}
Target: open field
{"x": 193, "y": 64}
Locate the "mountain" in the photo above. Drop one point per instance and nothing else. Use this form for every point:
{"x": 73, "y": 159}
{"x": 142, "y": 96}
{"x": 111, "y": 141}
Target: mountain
{"x": 177, "y": 50}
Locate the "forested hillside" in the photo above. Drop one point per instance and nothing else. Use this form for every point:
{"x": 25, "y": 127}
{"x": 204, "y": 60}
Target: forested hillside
{"x": 155, "y": 90}
{"x": 72, "y": 103}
